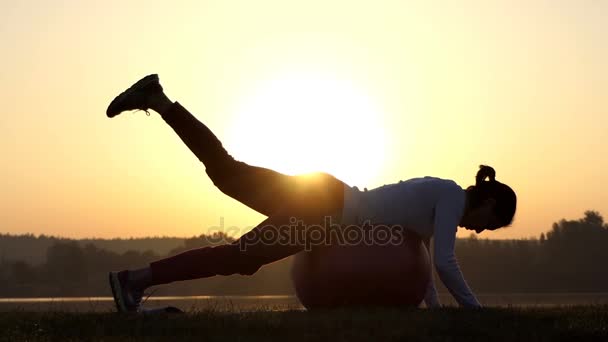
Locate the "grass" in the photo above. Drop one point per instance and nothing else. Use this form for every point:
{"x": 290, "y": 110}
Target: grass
{"x": 448, "y": 324}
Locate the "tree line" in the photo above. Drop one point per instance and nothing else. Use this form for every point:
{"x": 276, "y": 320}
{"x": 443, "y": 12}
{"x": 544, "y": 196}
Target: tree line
{"x": 571, "y": 257}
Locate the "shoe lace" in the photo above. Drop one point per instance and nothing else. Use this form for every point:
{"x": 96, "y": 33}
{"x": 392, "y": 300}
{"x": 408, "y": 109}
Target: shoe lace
{"x": 148, "y": 295}
{"x": 143, "y": 110}
{"x": 138, "y": 297}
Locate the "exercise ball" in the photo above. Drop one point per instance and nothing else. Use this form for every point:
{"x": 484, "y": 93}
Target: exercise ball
{"x": 365, "y": 275}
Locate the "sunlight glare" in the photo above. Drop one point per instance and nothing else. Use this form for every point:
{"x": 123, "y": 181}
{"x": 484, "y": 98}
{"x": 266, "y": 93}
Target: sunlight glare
{"x": 304, "y": 122}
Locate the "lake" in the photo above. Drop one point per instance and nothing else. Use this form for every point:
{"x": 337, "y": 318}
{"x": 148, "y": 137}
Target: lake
{"x": 280, "y": 302}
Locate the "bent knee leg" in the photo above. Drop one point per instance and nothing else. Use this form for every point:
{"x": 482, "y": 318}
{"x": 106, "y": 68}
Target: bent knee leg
{"x": 232, "y": 260}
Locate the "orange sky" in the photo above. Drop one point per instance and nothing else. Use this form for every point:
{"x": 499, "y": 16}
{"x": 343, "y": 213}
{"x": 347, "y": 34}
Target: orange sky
{"x": 435, "y": 88}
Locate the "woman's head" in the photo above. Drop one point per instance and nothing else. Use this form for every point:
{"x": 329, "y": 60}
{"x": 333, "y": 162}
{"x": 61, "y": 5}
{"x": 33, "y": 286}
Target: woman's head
{"x": 490, "y": 203}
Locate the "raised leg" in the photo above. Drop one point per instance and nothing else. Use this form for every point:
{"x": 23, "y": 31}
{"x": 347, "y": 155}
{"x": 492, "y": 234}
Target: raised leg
{"x": 261, "y": 189}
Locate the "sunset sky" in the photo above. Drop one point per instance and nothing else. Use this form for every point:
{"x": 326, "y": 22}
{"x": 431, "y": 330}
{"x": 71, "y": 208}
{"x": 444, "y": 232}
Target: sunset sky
{"x": 371, "y": 91}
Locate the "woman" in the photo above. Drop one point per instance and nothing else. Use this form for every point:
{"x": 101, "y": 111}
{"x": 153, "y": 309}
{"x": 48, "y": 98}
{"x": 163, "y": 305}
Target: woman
{"x": 427, "y": 206}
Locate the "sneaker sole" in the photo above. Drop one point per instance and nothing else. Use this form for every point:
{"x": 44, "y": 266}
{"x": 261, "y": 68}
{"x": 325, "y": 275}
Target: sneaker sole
{"x": 136, "y": 86}
{"x": 116, "y": 292}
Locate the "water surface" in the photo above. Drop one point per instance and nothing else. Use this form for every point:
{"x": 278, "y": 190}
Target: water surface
{"x": 279, "y": 302}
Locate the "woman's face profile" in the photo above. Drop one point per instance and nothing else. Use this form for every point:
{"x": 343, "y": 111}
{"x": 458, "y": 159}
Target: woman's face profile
{"x": 482, "y": 217}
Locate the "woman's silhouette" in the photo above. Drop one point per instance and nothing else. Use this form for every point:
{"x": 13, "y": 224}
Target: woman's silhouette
{"x": 428, "y": 206}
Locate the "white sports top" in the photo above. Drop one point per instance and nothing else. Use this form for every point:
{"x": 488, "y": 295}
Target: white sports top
{"x": 428, "y": 206}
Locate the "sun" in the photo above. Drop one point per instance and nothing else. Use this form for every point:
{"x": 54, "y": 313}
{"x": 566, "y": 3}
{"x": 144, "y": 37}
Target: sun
{"x": 302, "y": 122}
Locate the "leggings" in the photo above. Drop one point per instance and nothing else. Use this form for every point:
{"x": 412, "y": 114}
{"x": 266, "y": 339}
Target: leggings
{"x": 282, "y": 198}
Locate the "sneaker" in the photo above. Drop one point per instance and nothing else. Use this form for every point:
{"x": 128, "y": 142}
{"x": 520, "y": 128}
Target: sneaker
{"x": 126, "y": 298}
{"x": 136, "y": 97}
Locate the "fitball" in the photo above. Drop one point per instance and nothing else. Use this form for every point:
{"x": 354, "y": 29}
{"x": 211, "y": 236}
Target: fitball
{"x": 362, "y": 275}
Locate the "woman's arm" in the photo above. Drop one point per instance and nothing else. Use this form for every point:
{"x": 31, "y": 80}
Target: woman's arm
{"x": 448, "y": 213}
{"x": 430, "y": 299}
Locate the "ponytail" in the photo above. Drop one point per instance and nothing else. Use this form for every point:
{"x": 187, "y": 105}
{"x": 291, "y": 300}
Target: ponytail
{"x": 484, "y": 172}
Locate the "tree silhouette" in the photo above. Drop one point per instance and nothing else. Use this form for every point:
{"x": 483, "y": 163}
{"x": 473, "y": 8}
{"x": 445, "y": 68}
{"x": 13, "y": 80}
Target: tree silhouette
{"x": 65, "y": 263}
{"x": 571, "y": 256}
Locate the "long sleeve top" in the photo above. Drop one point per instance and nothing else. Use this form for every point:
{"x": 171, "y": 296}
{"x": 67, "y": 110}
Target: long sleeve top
{"x": 428, "y": 206}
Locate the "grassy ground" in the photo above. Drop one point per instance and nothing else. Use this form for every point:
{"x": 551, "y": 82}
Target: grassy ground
{"x": 511, "y": 324}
